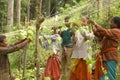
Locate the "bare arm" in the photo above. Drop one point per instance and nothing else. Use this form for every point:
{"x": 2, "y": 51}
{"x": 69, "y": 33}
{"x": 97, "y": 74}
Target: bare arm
{"x": 16, "y": 47}
{"x": 88, "y": 35}
{"x": 101, "y": 32}
{"x": 75, "y": 24}
{"x": 98, "y": 30}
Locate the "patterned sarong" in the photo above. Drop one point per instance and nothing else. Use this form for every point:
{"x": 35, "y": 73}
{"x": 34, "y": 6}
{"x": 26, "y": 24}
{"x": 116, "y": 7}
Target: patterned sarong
{"x": 111, "y": 65}
{"x": 81, "y": 71}
{"x": 99, "y": 64}
{"x": 52, "y": 69}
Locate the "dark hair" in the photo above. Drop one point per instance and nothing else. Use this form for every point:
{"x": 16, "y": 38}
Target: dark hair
{"x": 67, "y": 17}
{"x": 116, "y": 20}
{"x": 2, "y": 37}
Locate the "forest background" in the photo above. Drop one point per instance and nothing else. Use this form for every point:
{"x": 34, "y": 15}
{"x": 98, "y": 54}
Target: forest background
{"x": 18, "y": 19}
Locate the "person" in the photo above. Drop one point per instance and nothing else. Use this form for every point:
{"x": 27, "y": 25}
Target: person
{"x": 67, "y": 46}
{"x": 52, "y": 69}
{"x": 4, "y": 51}
{"x": 81, "y": 52}
{"x": 107, "y": 59}
{"x": 55, "y": 39}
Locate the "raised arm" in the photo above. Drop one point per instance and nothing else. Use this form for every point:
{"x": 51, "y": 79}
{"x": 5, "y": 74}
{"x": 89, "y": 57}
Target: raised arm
{"x": 16, "y": 47}
{"x": 75, "y": 24}
{"x": 88, "y": 36}
{"x": 100, "y": 31}
{"x": 109, "y": 33}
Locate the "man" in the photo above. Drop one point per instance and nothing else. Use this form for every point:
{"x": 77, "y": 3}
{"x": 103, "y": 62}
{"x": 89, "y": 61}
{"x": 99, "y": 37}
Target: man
{"x": 107, "y": 59}
{"x": 4, "y": 51}
{"x": 67, "y": 47}
{"x": 81, "y": 52}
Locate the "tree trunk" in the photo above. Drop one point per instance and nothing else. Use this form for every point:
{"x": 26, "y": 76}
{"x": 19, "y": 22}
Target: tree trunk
{"x": 108, "y": 9}
{"x": 10, "y": 14}
{"x": 49, "y": 7}
{"x": 24, "y": 62}
{"x": 28, "y": 11}
{"x": 39, "y": 3}
{"x": 53, "y": 7}
{"x": 19, "y": 61}
{"x": 18, "y": 11}
{"x": 65, "y": 2}
{"x": 99, "y": 8}
{"x": 39, "y": 21}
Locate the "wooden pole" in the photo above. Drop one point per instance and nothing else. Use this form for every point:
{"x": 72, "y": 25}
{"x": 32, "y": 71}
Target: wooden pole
{"x": 40, "y": 19}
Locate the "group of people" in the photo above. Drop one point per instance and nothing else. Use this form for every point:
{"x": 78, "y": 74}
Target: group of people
{"x": 75, "y": 50}
{"x": 6, "y": 49}
{"x": 76, "y": 42}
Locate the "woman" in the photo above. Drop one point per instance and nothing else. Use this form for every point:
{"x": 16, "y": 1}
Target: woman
{"x": 108, "y": 57}
{"x": 80, "y": 52}
{"x": 4, "y": 51}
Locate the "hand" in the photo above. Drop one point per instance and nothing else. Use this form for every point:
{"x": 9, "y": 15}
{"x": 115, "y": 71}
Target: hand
{"x": 73, "y": 24}
{"x": 54, "y": 28}
{"x": 59, "y": 27}
{"x": 94, "y": 29}
{"x": 29, "y": 40}
{"x": 59, "y": 32}
{"x": 67, "y": 24}
{"x": 84, "y": 34}
{"x": 64, "y": 52}
{"x": 91, "y": 21}
{"x": 20, "y": 41}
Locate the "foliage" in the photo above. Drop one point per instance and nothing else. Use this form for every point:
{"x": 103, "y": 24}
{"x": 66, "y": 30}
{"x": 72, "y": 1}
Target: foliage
{"x": 3, "y": 14}
{"x": 29, "y": 33}
{"x": 58, "y": 20}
